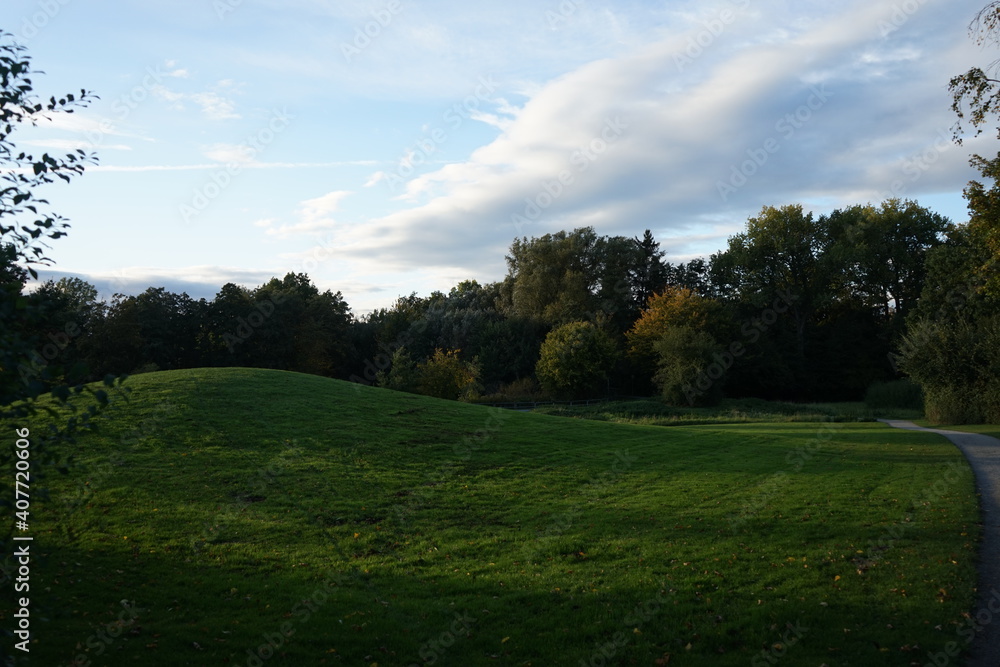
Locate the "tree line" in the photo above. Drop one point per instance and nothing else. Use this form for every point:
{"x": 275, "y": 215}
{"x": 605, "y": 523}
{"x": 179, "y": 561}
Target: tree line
{"x": 795, "y": 307}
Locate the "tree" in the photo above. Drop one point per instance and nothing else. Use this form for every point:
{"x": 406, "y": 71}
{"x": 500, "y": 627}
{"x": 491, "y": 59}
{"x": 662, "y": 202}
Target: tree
{"x": 26, "y": 223}
{"x": 778, "y": 259}
{"x": 401, "y": 375}
{"x": 958, "y": 365}
{"x": 552, "y": 278}
{"x": 690, "y": 369}
{"x": 445, "y": 375}
{"x": 694, "y": 275}
{"x": 649, "y": 275}
{"x": 576, "y": 359}
{"x": 979, "y": 89}
{"x": 673, "y": 307}
{"x": 881, "y": 252}
{"x": 976, "y": 87}
{"x": 984, "y": 224}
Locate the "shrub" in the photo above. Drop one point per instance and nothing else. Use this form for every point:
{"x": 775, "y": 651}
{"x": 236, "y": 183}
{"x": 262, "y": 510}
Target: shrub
{"x": 958, "y": 366}
{"x": 576, "y": 359}
{"x": 895, "y": 394}
{"x": 689, "y": 370}
{"x": 401, "y": 374}
{"x": 524, "y": 390}
{"x": 446, "y": 376}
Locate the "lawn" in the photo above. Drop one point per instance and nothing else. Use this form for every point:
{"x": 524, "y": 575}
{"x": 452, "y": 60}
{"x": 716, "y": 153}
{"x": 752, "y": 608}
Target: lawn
{"x": 244, "y": 517}
{"x": 654, "y": 412}
{"x": 986, "y": 429}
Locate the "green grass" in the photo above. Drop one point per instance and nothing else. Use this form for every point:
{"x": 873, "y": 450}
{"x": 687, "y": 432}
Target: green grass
{"x": 654, "y": 412}
{"x": 985, "y": 429}
{"x": 230, "y": 506}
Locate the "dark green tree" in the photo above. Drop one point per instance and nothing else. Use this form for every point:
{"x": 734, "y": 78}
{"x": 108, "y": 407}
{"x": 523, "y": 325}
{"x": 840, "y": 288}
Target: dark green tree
{"x": 879, "y": 254}
{"x": 576, "y": 359}
{"x": 649, "y": 275}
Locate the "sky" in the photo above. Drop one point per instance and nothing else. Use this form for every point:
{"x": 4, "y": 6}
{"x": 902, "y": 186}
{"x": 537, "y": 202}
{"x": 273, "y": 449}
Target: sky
{"x": 391, "y": 147}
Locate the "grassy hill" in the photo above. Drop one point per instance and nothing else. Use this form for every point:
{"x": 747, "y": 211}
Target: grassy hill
{"x": 248, "y": 517}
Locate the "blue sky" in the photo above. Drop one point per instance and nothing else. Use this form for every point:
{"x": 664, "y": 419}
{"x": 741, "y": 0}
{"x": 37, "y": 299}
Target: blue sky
{"x": 388, "y": 147}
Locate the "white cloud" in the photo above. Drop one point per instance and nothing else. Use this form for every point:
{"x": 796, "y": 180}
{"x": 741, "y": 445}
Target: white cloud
{"x": 314, "y": 216}
{"x": 230, "y": 153}
{"x": 651, "y": 139}
{"x": 74, "y": 144}
{"x": 213, "y": 104}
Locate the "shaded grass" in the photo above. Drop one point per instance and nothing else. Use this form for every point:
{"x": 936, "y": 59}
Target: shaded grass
{"x": 356, "y": 526}
{"x": 654, "y": 412}
{"x": 986, "y": 429}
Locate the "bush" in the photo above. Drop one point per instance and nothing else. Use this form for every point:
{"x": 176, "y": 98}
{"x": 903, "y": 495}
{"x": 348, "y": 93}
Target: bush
{"x": 958, "y": 366}
{"x": 401, "y": 375}
{"x": 576, "y": 359}
{"x": 689, "y": 370}
{"x": 895, "y": 394}
{"x": 524, "y": 390}
{"x": 446, "y": 376}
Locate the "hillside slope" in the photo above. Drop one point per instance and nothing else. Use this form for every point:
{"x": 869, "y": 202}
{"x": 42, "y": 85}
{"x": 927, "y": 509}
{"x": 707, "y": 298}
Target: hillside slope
{"x": 248, "y": 516}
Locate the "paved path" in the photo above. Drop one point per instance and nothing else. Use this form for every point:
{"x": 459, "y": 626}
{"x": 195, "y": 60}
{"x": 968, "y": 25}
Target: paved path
{"x": 983, "y": 454}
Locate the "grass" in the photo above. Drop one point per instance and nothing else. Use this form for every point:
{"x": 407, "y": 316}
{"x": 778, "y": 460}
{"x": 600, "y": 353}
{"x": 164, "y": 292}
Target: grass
{"x": 255, "y": 517}
{"x": 986, "y": 429}
{"x": 654, "y": 412}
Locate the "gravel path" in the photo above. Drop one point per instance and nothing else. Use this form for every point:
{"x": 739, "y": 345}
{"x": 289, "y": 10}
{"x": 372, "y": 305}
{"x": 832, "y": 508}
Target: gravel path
{"x": 983, "y": 454}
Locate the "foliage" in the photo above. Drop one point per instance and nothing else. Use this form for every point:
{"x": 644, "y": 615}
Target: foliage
{"x": 778, "y": 258}
{"x": 445, "y": 375}
{"x": 979, "y": 90}
{"x": 402, "y": 374}
{"x": 984, "y": 225}
{"x": 895, "y": 394}
{"x": 523, "y": 390}
{"x": 576, "y": 359}
{"x": 649, "y": 274}
{"x": 882, "y": 253}
{"x": 958, "y": 365}
{"x": 672, "y": 307}
{"x": 577, "y": 276}
{"x": 690, "y": 370}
